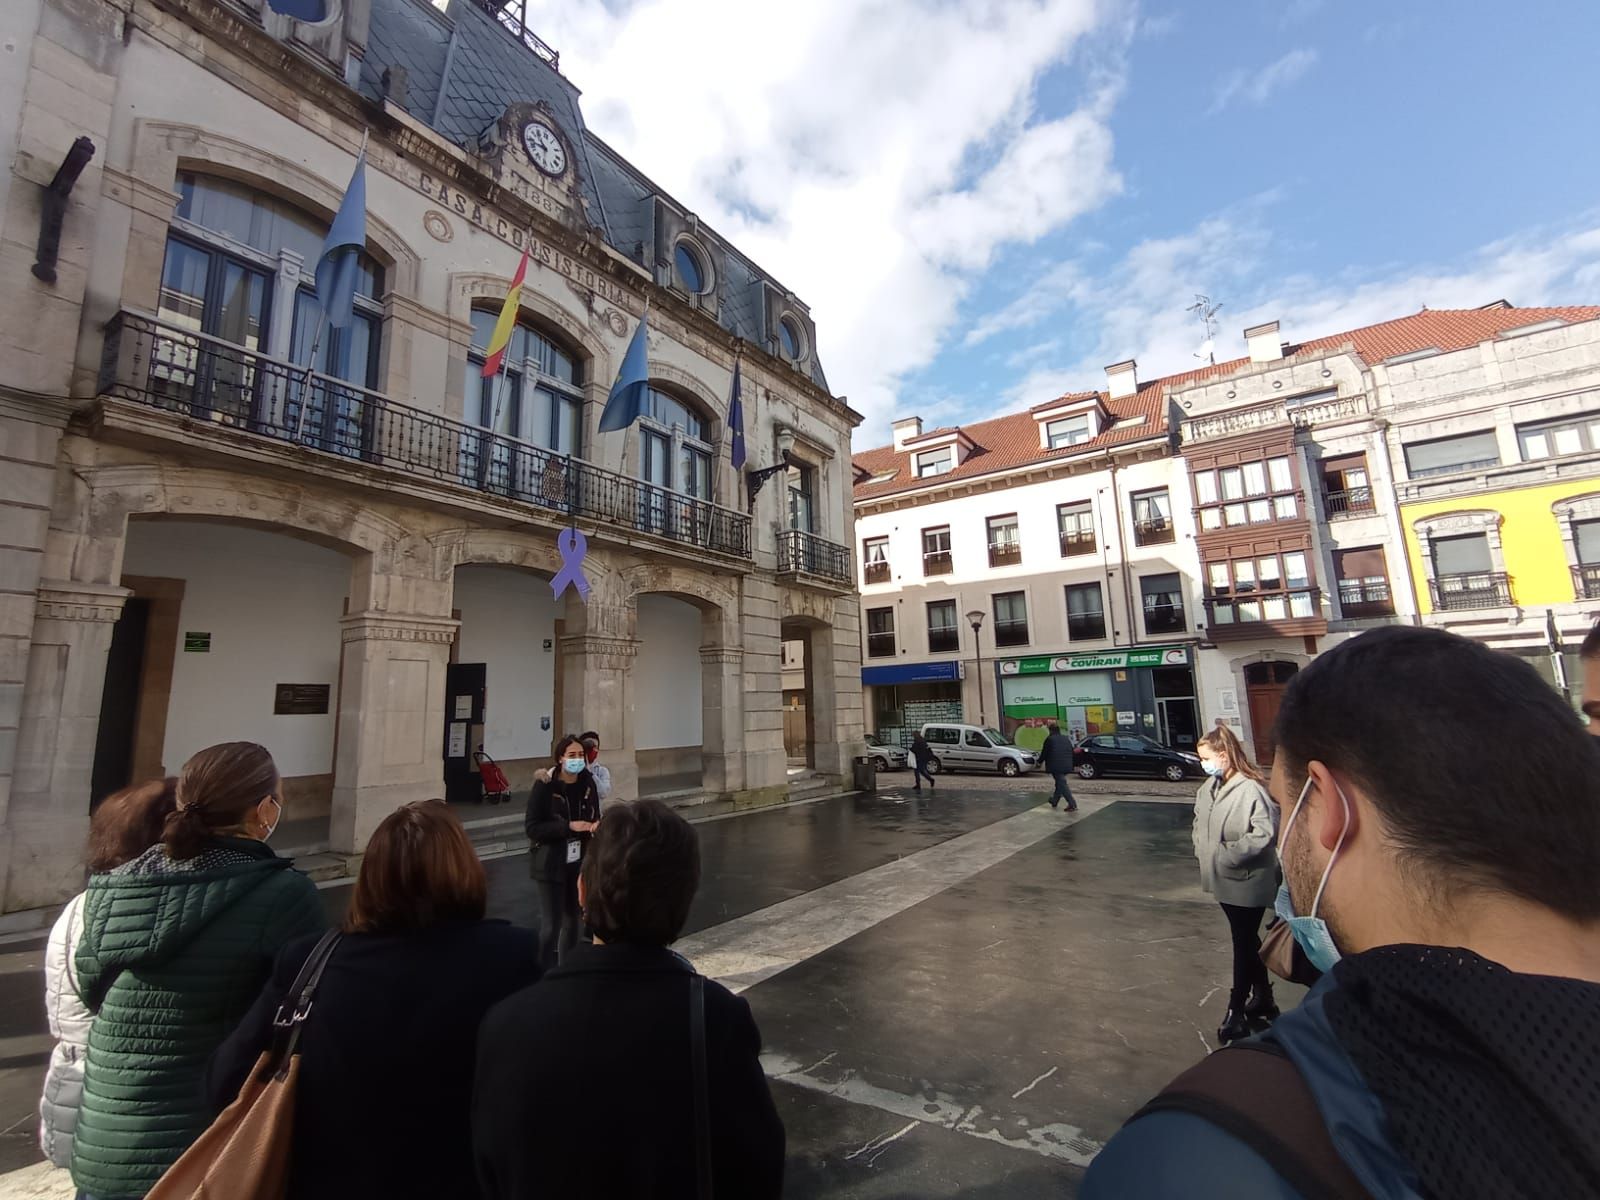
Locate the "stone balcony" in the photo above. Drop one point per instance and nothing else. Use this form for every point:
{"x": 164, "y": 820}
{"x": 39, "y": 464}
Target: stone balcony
{"x": 189, "y": 387}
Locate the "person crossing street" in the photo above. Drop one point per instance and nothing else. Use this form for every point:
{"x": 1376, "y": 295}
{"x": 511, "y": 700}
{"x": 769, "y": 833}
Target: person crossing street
{"x": 921, "y": 761}
{"x": 1056, "y": 755}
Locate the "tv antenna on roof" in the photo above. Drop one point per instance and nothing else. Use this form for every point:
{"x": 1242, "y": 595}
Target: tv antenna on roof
{"x": 1207, "y": 312}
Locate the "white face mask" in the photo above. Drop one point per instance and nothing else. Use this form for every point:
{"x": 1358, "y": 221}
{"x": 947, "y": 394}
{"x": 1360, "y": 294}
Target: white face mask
{"x": 277, "y": 808}
{"x": 573, "y": 766}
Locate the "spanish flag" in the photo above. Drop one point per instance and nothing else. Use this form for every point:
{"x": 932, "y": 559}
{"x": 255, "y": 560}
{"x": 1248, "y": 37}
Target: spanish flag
{"x": 507, "y": 321}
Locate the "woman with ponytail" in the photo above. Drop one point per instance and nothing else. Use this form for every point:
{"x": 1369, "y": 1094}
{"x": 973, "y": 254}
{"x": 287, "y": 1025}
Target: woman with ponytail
{"x": 176, "y": 944}
{"x": 1235, "y": 841}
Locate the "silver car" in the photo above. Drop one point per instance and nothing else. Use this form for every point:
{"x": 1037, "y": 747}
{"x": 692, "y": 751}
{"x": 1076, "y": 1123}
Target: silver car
{"x": 887, "y": 757}
{"x": 973, "y": 748}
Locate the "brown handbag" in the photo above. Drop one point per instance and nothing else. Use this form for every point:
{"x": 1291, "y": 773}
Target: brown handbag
{"x": 1277, "y": 949}
{"x": 244, "y": 1155}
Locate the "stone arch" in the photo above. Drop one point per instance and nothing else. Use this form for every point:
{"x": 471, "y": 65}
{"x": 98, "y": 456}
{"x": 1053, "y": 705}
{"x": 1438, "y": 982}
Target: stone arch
{"x": 467, "y": 288}
{"x": 162, "y": 149}
{"x": 718, "y": 602}
{"x": 693, "y": 389}
{"x": 110, "y": 495}
{"x": 1450, "y": 524}
{"x": 1569, "y": 512}
{"x": 1255, "y": 738}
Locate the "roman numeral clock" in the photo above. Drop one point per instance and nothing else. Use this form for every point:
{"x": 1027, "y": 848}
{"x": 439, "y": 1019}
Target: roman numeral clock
{"x": 544, "y": 147}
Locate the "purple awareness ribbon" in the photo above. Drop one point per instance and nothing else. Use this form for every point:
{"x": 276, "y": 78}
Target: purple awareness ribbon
{"x": 573, "y": 546}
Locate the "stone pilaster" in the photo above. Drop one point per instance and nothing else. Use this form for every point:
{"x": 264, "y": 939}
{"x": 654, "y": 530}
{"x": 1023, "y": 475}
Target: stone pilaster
{"x": 722, "y": 718}
{"x": 47, "y": 818}
{"x": 597, "y": 693}
{"x": 391, "y": 719}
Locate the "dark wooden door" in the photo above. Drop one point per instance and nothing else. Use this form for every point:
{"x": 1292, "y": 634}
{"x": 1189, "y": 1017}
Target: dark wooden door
{"x": 1264, "y": 687}
{"x": 119, "y": 702}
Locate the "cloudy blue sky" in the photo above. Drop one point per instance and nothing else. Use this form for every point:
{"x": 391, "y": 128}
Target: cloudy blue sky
{"x": 984, "y": 202}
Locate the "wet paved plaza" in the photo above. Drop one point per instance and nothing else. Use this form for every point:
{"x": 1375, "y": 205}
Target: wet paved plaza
{"x": 959, "y": 993}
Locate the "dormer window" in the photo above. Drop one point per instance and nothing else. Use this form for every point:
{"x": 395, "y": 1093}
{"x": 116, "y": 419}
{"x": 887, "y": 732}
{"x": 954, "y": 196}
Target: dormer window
{"x": 689, "y": 265}
{"x": 1068, "y": 431}
{"x": 936, "y": 462}
{"x": 790, "y": 340}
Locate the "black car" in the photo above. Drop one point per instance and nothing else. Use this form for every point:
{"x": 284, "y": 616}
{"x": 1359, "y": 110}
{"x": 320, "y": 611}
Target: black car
{"x": 1132, "y": 754}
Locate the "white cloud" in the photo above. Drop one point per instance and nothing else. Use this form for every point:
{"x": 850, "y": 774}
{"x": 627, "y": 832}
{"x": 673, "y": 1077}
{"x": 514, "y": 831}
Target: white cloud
{"x": 872, "y": 155}
{"x": 1254, "y": 87}
{"x": 1138, "y": 306}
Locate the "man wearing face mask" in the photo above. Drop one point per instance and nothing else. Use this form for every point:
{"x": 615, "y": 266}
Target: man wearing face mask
{"x": 1441, "y": 848}
{"x": 1589, "y": 655}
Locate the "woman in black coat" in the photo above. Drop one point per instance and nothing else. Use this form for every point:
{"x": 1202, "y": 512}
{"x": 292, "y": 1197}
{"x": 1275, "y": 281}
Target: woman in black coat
{"x": 386, "y": 1054}
{"x": 585, "y": 1083}
{"x": 563, "y": 810}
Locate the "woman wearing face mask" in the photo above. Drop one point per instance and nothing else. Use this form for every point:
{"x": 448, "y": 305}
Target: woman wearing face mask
{"x": 1235, "y": 833}
{"x": 176, "y": 945}
{"x": 563, "y": 810}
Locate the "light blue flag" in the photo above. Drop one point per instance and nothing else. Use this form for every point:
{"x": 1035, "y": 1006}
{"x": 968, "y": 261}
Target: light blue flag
{"x": 338, "y": 266}
{"x": 626, "y": 401}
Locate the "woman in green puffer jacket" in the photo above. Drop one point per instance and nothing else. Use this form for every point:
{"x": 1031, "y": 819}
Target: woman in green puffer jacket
{"x": 176, "y": 945}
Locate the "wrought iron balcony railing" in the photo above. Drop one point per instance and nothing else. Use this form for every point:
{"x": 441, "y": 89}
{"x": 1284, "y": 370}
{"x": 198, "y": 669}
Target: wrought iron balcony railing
{"x": 876, "y": 572}
{"x": 1352, "y": 502}
{"x": 1475, "y": 589}
{"x": 1076, "y": 542}
{"x": 1360, "y": 598}
{"x": 1157, "y": 531}
{"x": 1586, "y": 581}
{"x": 1005, "y": 554}
{"x": 806, "y": 553}
{"x": 936, "y": 562}
{"x": 253, "y": 395}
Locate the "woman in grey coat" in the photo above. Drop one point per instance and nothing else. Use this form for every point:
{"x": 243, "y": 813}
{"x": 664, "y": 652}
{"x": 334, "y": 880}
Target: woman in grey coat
{"x": 1235, "y": 841}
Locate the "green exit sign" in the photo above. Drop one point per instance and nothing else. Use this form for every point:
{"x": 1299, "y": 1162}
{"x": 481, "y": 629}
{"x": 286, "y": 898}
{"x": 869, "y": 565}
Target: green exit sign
{"x": 197, "y": 643}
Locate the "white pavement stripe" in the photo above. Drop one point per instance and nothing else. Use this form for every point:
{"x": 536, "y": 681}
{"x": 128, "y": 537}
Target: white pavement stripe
{"x": 1057, "y": 1140}
{"x": 741, "y": 953}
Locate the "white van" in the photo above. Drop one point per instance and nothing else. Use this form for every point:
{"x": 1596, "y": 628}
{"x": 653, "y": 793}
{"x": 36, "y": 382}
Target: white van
{"x": 973, "y": 748}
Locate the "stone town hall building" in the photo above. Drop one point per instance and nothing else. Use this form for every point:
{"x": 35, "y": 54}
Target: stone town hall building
{"x": 208, "y": 536}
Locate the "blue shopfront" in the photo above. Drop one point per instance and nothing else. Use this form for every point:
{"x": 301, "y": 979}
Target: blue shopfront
{"x": 902, "y": 697}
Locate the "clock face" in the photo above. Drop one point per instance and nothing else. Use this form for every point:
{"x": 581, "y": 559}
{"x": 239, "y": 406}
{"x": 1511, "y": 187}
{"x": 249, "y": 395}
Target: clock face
{"x": 544, "y": 148}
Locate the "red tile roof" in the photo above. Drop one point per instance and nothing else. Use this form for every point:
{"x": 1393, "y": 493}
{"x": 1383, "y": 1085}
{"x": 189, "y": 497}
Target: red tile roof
{"x": 1012, "y": 441}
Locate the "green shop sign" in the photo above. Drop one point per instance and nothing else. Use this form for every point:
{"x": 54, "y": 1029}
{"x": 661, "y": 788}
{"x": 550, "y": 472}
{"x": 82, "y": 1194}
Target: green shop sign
{"x": 1144, "y": 656}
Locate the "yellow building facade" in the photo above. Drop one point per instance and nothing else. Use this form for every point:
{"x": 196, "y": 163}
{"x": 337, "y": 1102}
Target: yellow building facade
{"x": 1537, "y": 528}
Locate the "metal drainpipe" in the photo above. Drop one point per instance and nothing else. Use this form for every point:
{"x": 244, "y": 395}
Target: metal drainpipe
{"x": 1122, "y": 551}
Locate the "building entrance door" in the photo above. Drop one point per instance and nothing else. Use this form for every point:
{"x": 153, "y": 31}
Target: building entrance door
{"x": 1179, "y": 722}
{"x": 119, "y": 702}
{"x": 1264, "y": 684}
{"x": 466, "y": 692}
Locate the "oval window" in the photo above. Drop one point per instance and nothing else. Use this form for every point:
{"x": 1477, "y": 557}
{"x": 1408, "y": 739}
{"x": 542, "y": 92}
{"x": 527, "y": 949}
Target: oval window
{"x": 690, "y": 271}
{"x": 789, "y": 339}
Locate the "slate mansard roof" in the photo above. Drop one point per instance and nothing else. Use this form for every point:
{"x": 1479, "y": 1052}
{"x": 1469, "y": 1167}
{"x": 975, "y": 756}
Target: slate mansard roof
{"x": 463, "y": 69}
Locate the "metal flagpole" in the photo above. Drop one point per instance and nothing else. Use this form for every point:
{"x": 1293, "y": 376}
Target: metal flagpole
{"x": 498, "y": 394}
{"x": 311, "y": 366}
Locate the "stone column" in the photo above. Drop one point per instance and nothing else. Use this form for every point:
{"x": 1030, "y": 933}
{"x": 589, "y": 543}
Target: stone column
{"x": 598, "y": 655}
{"x": 391, "y": 719}
{"x": 47, "y": 818}
{"x": 766, "y": 766}
{"x": 722, "y": 718}
{"x": 830, "y": 756}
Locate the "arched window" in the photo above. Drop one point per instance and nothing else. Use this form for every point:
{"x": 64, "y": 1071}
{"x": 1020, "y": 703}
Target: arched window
{"x": 675, "y": 449}
{"x": 537, "y": 397}
{"x": 224, "y": 265}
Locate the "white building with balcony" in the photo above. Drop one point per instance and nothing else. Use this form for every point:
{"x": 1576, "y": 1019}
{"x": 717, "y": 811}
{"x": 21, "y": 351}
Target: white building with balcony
{"x": 1034, "y": 567}
{"x": 222, "y": 527}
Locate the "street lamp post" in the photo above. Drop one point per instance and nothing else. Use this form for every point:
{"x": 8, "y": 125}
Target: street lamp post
{"x": 975, "y": 619}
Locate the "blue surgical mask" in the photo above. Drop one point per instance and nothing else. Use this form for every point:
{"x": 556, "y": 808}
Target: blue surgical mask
{"x": 1213, "y": 768}
{"x": 1311, "y": 931}
{"x": 573, "y": 766}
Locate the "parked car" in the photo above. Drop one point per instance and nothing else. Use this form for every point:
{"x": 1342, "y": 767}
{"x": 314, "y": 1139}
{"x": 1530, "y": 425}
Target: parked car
{"x": 972, "y": 748}
{"x": 1125, "y": 754}
{"x": 888, "y": 758}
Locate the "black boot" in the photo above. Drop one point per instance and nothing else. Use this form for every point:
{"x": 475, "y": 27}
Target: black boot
{"x": 1260, "y": 1009}
{"x": 1235, "y": 1027}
